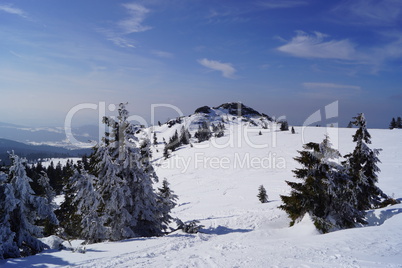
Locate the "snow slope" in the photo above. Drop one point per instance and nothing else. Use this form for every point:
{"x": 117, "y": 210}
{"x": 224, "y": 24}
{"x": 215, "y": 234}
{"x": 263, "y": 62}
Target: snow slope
{"x": 217, "y": 184}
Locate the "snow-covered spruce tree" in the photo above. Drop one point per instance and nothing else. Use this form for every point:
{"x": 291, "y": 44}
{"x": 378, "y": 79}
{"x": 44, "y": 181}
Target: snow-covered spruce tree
{"x": 70, "y": 221}
{"x": 321, "y": 194}
{"x": 184, "y": 136}
{"x": 392, "y": 125}
{"x": 25, "y": 210}
{"x": 166, "y": 152}
{"x": 399, "y": 122}
{"x": 8, "y": 247}
{"x": 129, "y": 204}
{"x": 203, "y": 133}
{"x": 219, "y": 130}
{"x": 262, "y": 194}
{"x": 174, "y": 142}
{"x": 284, "y": 126}
{"x": 155, "y": 139}
{"x": 362, "y": 169}
{"x": 49, "y": 193}
{"x": 166, "y": 202}
{"x": 87, "y": 201}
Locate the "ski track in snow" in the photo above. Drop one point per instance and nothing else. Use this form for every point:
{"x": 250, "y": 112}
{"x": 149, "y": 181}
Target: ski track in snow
{"x": 241, "y": 232}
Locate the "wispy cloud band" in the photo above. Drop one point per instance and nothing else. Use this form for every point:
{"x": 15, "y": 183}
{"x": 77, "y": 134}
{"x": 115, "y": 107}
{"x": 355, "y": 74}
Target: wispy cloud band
{"x": 12, "y": 10}
{"x": 118, "y": 32}
{"x": 370, "y": 12}
{"x": 133, "y": 24}
{"x": 274, "y": 4}
{"x": 329, "y": 90}
{"x": 226, "y": 68}
{"x": 304, "y": 45}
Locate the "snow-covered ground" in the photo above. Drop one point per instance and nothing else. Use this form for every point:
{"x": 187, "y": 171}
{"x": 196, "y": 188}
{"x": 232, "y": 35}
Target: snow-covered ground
{"x": 217, "y": 183}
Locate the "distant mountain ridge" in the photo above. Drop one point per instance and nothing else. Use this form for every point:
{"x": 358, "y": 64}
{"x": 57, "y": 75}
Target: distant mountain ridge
{"x": 33, "y": 152}
{"x": 54, "y": 136}
{"x": 44, "y": 142}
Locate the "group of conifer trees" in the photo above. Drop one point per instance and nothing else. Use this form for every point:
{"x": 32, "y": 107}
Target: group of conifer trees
{"x": 336, "y": 194}
{"x": 395, "y": 123}
{"x": 176, "y": 141}
{"x": 111, "y": 197}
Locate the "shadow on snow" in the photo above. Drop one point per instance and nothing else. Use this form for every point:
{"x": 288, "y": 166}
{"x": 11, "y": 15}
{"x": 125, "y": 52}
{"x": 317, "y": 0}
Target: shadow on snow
{"x": 375, "y": 218}
{"x": 40, "y": 260}
{"x": 222, "y": 230}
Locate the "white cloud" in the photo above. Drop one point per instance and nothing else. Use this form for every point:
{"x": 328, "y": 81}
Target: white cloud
{"x": 162, "y": 54}
{"x": 119, "y": 32}
{"x": 226, "y": 68}
{"x": 271, "y": 4}
{"x": 314, "y": 46}
{"x": 13, "y": 10}
{"x": 133, "y": 24}
{"x": 371, "y": 12}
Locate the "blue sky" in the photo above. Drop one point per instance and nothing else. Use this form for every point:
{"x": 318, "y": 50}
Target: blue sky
{"x": 281, "y": 57}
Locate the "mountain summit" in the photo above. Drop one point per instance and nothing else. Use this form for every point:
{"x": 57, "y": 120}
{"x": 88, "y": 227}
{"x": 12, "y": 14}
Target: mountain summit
{"x": 232, "y": 108}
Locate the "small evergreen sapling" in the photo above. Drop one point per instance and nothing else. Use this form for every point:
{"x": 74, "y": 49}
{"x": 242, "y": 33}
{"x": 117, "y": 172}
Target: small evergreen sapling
{"x": 262, "y": 194}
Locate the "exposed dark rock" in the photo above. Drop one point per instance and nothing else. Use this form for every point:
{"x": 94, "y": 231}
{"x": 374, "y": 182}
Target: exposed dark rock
{"x": 203, "y": 109}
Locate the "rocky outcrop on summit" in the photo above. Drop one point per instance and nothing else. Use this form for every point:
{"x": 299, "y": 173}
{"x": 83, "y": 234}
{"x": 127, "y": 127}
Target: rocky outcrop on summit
{"x": 203, "y": 109}
{"x": 238, "y": 108}
{"x": 232, "y": 108}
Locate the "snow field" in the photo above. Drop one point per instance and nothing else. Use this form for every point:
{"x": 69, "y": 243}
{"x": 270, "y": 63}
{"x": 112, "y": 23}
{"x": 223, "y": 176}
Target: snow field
{"x": 219, "y": 190}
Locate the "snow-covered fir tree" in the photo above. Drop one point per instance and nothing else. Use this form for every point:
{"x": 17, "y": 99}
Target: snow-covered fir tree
{"x": 49, "y": 193}
{"x": 125, "y": 179}
{"x": 87, "y": 202}
{"x": 392, "y": 125}
{"x": 8, "y": 246}
{"x": 361, "y": 166}
{"x": 21, "y": 210}
{"x": 174, "y": 142}
{"x": 166, "y": 202}
{"x": 203, "y": 133}
{"x": 166, "y": 152}
{"x": 218, "y": 130}
{"x": 399, "y": 122}
{"x": 262, "y": 194}
{"x": 184, "y": 136}
{"x": 321, "y": 194}
{"x": 70, "y": 221}
{"x": 284, "y": 126}
{"x": 155, "y": 139}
